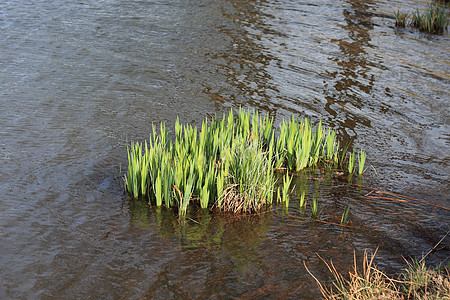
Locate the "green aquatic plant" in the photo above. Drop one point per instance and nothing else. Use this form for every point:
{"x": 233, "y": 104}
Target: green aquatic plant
{"x": 286, "y": 184}
{"x": 416, "y": 19}
{"x": 207, "y": 186}
{"x": 228, "y": 163}
{"x": 351, "y": 162}
{"x": 314, "y": 208}
{"x": 344, "y": 217}
{"x": 250, "y": 181}
{"x": 137, "y": 178}
{"x": 343, "y": 154}
{"x": 361, "y": 161}
{"x": 330, "y": 146}
{"x": 279, "y": 194}
{"x": 400, "y": 18}
{"x": 302, "y": 202}
{"x": 433, "y": 20}
{"x": 184, "y": 199}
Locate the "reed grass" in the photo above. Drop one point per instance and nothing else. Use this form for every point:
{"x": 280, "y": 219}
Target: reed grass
{"x": 416, "y": 19}
{"x": 228, "y": 163}
{"x": 401, "y": 18}
{"x": 433, "y": 20}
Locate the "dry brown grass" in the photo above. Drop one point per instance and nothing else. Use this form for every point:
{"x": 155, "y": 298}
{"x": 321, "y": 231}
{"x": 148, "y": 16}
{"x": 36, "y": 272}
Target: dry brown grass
{"x": 417, "y": 282}
{"x": 232, "y": 200}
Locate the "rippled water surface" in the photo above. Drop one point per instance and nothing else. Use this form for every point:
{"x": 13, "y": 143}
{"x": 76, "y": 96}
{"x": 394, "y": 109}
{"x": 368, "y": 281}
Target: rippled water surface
{"x": 81, "y": 78}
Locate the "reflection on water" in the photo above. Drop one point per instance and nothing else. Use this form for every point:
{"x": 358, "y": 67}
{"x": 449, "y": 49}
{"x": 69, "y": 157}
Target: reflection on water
{"x": 204, "y": 229}
{"x": 353, "y": 80}
{"x": 245, "y": 60}
{"x": 80, "y": 79}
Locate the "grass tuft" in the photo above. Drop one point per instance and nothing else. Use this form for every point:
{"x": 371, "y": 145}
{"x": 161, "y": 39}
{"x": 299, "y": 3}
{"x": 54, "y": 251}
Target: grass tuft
{"x": 421, "y": 282}
{"x": 249, "y": 183}
{"x": 400, "y": 18}
{"x": 433, "y": 20}
{"x": 417, "y": 282}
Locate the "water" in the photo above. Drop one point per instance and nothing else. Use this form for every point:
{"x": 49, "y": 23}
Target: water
{"x": 80, "y": 79}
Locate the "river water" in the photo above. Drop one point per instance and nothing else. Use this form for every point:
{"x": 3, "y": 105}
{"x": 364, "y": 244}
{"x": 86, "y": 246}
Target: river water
{"x": 79, "y": 79}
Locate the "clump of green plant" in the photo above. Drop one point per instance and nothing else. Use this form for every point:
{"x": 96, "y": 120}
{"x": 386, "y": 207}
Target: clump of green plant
{"x": 228, "y": 164}
{"x": 250, "y": 180}
{"x": 400, "y": 18}
{"x": 137, "y": 179}
{"x": 433, "y": 20}
{"x": 416, "y": 19}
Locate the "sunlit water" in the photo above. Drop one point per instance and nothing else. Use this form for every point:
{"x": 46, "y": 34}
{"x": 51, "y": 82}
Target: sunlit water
{"x": 81, "y": 78}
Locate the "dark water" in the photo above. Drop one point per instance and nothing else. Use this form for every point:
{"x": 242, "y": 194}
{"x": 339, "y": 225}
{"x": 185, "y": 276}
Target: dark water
{"x": 81, "y": 78}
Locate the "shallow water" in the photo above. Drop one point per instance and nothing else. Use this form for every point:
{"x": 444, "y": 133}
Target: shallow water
{"x": 80, "y": 79}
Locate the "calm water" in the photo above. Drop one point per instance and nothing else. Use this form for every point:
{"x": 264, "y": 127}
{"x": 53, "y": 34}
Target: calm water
{"x": 81, "y": 78}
